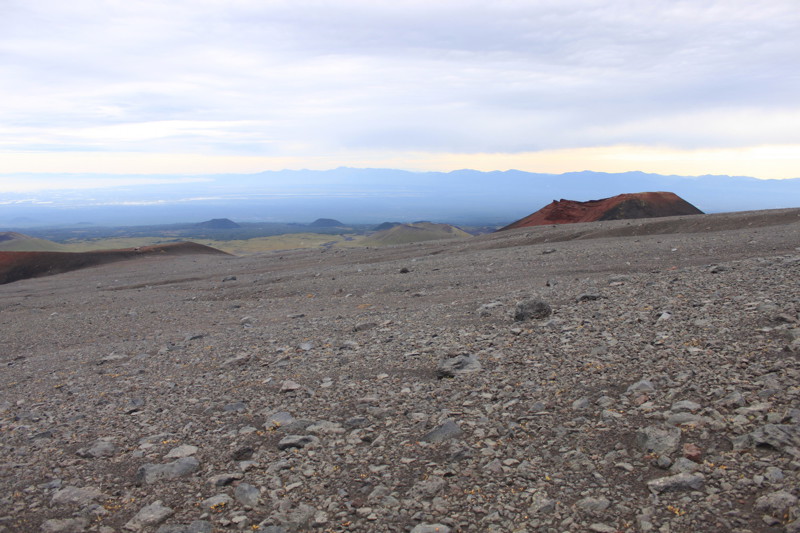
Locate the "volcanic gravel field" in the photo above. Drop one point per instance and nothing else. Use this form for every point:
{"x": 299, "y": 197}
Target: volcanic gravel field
{"x": 626, "y": 376}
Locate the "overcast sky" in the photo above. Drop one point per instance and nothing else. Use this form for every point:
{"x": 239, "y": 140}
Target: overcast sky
{"x": 198, "y": 86}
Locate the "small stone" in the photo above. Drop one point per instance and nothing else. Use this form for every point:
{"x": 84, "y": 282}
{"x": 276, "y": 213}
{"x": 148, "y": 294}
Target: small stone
{"x": 593, "y": 505}
{"x": 692, "y": 452}
{"x": 150, "y": 473}
{"x": 149, "y": 516}
{"x": 297, "y": 441}
{"x": 580, "y": 404}
{"x": 247, "y": 494}
{"x": 222, "y": 480}
{"x": 602, "y": 528}
{"x": 289, "y": 386}
{"x": 184, "y": 450}
{"x": 660, "y": 440}
{"x": 65, "y": 525}
{"x": 101, "y": 448}
{"x": 216, "y": 504}
{"x": 236, "y": 407}
{"x": 685, "y": 405}
{"x": 278, "y": 420}
{"x": 448, "y": 430}
{"x": 430, "y": 528}
{"x": 677, "y": 483}
{"x": 77, "y": 496}
{"x": 460, "y": 364}
{"x": 532, "y": 310}
{"x": 777, "y": 503}
{"x": 642, "y": 386}
{"x": 774, "y": 474}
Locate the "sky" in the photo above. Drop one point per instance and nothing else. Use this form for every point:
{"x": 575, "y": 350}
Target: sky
{"x": 192, "y": 87}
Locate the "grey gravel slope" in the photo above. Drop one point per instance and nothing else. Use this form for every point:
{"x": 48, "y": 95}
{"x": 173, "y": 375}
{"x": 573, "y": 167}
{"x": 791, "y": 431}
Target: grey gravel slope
{"x": 302, "y": 394}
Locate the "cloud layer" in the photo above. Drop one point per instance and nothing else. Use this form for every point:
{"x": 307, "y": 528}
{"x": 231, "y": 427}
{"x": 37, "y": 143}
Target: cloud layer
{"x": 294, "y": 79}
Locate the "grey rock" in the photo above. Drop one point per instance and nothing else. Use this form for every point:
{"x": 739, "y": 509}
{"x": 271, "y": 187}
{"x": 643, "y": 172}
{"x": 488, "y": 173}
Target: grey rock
{"x": 783, "y": 437}
{"x": 599, "y": 527}
{"x": 486, "y": 309}
{"x": 533, "y": 309}
{"x": 77, "y": 496}
{"x": 149, "y": 516}
{"x": 658, "y": 439}
{"x": 688, "y": 419}
{"x": 588, "y": 297}
{"x": 290, "y": 386}
{"x": 685, "y": 405}
{"x": 65, "y": 525}
{"x": 446, "y": 431}
{"x": 428, "y": 488}
{"x": 774, "y": 474}
{"x": 581, "y": 403}
{"x": 297, "y": 441}
{"x": 677, "y": 483}
{"x": 222, "y": 480}
{"x": 101, "y": 448}
{"x": 541, "y": 504}
{"x": 364, "y": 326}
{"x": 198, "y": 526}
{"x": 247, "y": 494}
{"x": 278, "y": 420}
{"x": 777, "y": 503}
{"x": 235, "y": 407}
{"x": 236, "y": 360}
{"x": 641, "y": 386}
{"x": 184, "y": 450}
{"x": 151, "y": 473}
{"x": 430, "y": 528}
{"x": 460, "y": 364}
{"x": 593, "y": 505}
{"x": 682, "y": 464}
{"x": 216, "y": 503}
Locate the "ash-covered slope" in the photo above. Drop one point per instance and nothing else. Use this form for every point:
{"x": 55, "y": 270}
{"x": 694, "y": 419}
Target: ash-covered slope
{"x": 15, "y": 266}
{"x": 622, "y": 206}
{"x": 416, "y": 232}
{"x": 307, "y": 394}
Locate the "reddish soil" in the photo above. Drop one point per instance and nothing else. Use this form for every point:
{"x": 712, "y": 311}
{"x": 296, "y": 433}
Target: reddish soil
{"x": 623, "y": 206}
{"x": 15, "y": 266}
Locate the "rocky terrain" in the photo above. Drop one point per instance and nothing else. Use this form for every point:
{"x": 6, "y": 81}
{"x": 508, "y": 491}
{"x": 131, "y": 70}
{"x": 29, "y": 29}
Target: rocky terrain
{"x": 616, "y": 376}
{"x": 620, "y": 207}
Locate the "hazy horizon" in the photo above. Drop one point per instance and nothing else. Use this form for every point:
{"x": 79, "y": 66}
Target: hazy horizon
{"x": 361, "y": 196}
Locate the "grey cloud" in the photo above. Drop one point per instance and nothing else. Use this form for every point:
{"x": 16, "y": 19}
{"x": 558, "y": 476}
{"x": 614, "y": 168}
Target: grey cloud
{"x": 453, "y": 76}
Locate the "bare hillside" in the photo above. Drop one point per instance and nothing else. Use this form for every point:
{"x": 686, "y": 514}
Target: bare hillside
{"x": 626, "y": 376}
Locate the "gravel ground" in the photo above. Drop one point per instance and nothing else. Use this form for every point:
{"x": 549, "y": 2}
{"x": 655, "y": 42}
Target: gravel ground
{"x": 616, "y": 376}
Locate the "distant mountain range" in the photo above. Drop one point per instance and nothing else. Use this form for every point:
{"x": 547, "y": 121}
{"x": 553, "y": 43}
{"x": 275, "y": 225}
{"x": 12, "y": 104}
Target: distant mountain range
{"x": 370, "y": 196}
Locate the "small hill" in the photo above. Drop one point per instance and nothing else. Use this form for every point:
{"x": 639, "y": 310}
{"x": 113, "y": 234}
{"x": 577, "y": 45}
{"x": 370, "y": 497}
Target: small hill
{"x": 386, "y": 225}
{"x": 622, "y": 206}
{"x": 416, "y": 232}
{"x": 219, "y": 223}
{"x": 11, "y": 241}
{"x": 326, "y": 223}
{"x": 15, "y": 266}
